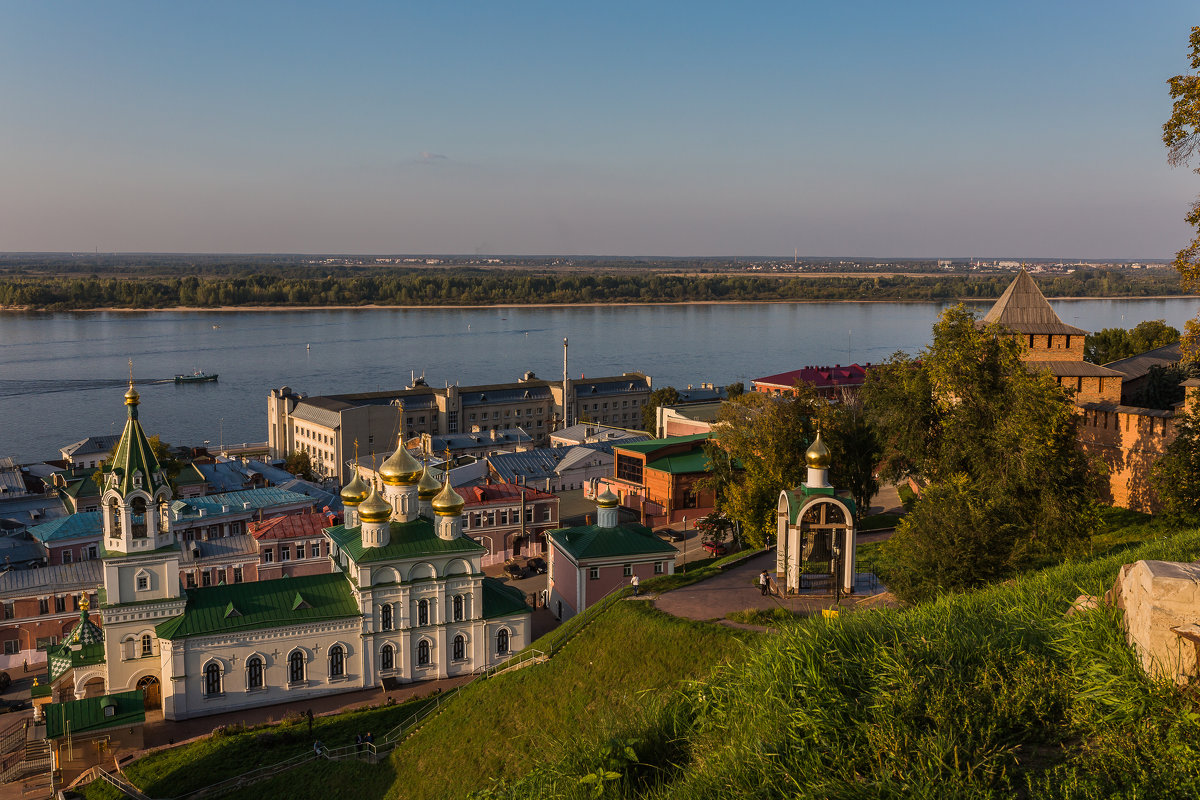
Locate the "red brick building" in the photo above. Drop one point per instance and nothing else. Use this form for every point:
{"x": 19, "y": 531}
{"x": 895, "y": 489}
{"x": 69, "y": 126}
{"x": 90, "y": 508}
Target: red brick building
{"x": 828, "y": 381}
{"x": 508, "y": 519}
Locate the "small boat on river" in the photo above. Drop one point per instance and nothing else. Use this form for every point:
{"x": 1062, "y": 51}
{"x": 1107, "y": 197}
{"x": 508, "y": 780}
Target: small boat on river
{"x": 196, "y": 377}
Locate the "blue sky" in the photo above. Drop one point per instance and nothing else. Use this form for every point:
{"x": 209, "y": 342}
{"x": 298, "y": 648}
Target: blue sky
{"x": 919, "y": 129}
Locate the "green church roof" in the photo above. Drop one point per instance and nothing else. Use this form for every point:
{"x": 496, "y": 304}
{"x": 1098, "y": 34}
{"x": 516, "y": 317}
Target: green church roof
{"x": 502, "y": 600}
{"x": 593, "y": 541}
{"x": 133, "y": 455}
{"x": 406, "y": 540}
{"x": 95, "y": 713}
{"x": 64, "y": 657}
{"x": 262, "y": 604}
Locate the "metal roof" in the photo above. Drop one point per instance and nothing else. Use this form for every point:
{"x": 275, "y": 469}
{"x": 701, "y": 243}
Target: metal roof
{"x": 89, "y": 714}
{"x": 92, "y": 444}
{"x": 217, "y": 505}
{"x": 1139, "y": 365}
{"x": 407, "y": 540}
{"x": 541, "y": 462}
{"x": 84, "y": 525}
{"x": 199, "y": 552}
{"x": 501, "y": 600}
{"x": 59, "y": 578}
{"x": 1073, "y": 369}
{"x": 592, "y": 541}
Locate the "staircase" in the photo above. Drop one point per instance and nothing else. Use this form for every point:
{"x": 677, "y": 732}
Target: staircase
{"x": 31, "y": 757}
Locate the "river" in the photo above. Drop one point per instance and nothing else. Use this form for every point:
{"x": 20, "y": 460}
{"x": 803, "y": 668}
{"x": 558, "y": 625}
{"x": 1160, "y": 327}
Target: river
{"x": 62, "y": 375}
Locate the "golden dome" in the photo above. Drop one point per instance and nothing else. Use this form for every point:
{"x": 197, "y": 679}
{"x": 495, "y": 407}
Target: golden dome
{"x": 131, "y": 397}
{"x": 355, "y": 491}
{"x": 448, "y": 503}
{"x": 607, "y": 499}
{"x": 400, "y": 469}
{"x": 374, "y": 508}
{"x": 428, "y": 486}
{"x": 818, "y": 454}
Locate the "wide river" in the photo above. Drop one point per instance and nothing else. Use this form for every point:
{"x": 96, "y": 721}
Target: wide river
{"x": 62, "y": 375}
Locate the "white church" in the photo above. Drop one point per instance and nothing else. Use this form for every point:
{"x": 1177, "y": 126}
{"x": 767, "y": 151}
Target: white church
{"x": 406, "y": 601}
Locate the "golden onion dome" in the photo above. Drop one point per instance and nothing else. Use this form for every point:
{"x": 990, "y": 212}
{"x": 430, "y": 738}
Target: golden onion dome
{"x": 374, "y": 508}
{"x": 818, "y": 454}
{"x": 355, "y": 491}
{"x": 131, "y": 397}
{"x": 607, "y": 499}
{"x": 448, "y": 502}
{"x": 400, "y": 469}
{"x": 428, "y": 486}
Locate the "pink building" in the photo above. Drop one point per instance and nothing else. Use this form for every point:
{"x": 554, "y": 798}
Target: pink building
{"x": 589, "y": 561}
{"x": 292, "y": 545}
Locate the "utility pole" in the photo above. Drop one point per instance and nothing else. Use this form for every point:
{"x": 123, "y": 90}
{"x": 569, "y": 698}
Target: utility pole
{"x": 566, "y": 388}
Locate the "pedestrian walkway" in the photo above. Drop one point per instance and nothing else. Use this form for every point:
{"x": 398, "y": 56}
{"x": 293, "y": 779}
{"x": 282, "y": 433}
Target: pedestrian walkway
{"x": 736, "y": 589}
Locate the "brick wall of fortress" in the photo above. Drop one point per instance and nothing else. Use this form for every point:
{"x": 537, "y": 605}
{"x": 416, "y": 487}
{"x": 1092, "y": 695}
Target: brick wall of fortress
{"x": 1127, "y": 444}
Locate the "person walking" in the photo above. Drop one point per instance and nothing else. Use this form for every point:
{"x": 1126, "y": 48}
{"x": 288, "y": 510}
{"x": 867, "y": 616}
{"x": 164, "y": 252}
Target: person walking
{"x": 634, "y": 583}
{"x": 358, "y": 743}
{"x": 764, "y": 583}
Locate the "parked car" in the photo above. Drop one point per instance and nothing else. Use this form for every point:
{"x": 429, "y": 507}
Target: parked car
{"x": 716, "y": 548}
{"x": 514, "y": 571}
{"x": 670, "y": 534}
{"x": 536, "y": 565}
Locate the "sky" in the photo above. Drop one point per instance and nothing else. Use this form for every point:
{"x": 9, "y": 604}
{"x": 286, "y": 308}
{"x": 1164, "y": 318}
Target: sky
{"x": 868, "y": 129}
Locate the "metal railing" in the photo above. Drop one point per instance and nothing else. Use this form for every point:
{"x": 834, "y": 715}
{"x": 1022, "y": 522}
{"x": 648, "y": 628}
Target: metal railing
{"x": 122, "y": 785}
{"x": 13, "y": 736}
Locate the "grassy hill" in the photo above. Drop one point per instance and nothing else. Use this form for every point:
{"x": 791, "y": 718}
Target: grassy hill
{"x": 991, "y": 694}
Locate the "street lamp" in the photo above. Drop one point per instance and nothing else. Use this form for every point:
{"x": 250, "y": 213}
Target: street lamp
{"x": 685, "y": 545}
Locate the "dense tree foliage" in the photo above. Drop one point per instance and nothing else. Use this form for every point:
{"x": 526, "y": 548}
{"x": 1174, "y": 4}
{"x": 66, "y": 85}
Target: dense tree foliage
{"x": 662, "y": 396}
{"x": 996, "y": 445}
{"x": 1111, "y": 344}
{"x": 1181, "y": 135}
{"x": 307, "y": 286}
{"x": 299, "y": 464}
{"x": 1176, "y": 476}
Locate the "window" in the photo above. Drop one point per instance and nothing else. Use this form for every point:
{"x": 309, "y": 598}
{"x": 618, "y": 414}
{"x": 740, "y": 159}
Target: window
{"x": 299, "y": 551}
{"x": 60, "y": 605}
{"x": 423, "y": 612}
{"x": 10, "y": 609}
{"x": 547, "y": 512}
{"x": 337, "y": 661}
{"x": 206, "y": 577}
{"x": 237, "y": 574}
{"x": 658, "y": 568}
{"x": 593, "y": 573}
{"x": 92, "y": 552}
{"x": 529, "y": 513}
{"x": 423, "y": 653}
{"x": 296, "y": 667}
{"x": 220, "y": 576}
{"x": 387, "y": 657}
{"x": 12, "y": 647}
{"x": 235, "y": 528}
{"x": 460, "y": 648}
{"x": 66, "y": 556}
{"x": 504, "y": 516}
{"x": 43, "y": 605}
{"x": 385, "y": 617}
{"x": 458, "y": 607}
{"x": 627, "y": 570}
{"x": 254, "y": 673}
{"x": 285, "y": 553}
{"x": 502, "y": 641}
{"x": 268, "y": 556}
{"x": 46, "y": 641}
{"x": 191, "y": 580}
{"x": 212, "y": 680}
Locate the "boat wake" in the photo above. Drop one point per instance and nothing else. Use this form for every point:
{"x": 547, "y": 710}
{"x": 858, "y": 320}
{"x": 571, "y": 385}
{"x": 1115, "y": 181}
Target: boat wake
{"x": 20, "y": 388}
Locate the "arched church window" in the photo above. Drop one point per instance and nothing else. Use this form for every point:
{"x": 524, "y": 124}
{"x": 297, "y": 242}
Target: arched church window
{"x": 296, "y": 667}
{"x": 254, "y": 673}
{"x": 212, "y": 680}
{"x": 423, "y": 653}
{"x": 387, "y": 657}
{"x": 138, "y": 509}
{"x": 502, "y": 641}
{"x": 423, "y": 612}
{"x": 114, "y": 511}
{"x": 147, "y": 645}
{"x": 460, "y": 648}
{"x": 337, "y": 661}
{"x": 458, "y": 607}
{"x": 385, "y": 617}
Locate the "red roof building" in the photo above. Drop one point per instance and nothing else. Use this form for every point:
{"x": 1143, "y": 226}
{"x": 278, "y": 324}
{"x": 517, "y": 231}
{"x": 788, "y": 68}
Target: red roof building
{"x": 828, "y": 381}
{"x": 508, "y": 519}
{"x": 292, "y": 545}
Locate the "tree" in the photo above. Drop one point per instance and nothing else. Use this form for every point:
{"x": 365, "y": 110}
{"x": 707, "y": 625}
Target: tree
{"x": 1176, "y": 476}
{"x": 735, "y": 390}
{"x": 299, "y": 464}
{"x": 856, "y": 452}
{"x": 666, "y": 396}
{"x": 1181, "y": 135}
{"x": 996, "y": 444}
{"x": 1111, "y": 344}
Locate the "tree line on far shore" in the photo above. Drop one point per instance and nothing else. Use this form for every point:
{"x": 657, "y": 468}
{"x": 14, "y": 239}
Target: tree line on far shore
{"x": 469, "y": 287}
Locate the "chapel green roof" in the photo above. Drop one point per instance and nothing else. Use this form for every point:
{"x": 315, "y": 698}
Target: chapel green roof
{"x": 414, "y": 539}
{"x": 262, "y": 604}
{"x": 85, "y": 631}
{"x": 63, "y": 658}
{"x": 681, "y": 464}
{"x": 88, "y": 714}
{"x": 593, "y": 541}
{"x": 502, "y": 600}
{"x": 651, "y": 446}
{"x": 133, "y": 455}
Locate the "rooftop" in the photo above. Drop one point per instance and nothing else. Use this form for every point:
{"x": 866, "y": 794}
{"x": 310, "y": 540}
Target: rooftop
{"x": 58, "y": 578}
{"x": 407, "y": 540}
{"x": 92, "y": 444}
{"x": 501, "y": 493}
{"x": 1139, "y": 365}
{"x": 290, "y": 526}
{"x": 627, "y": 539}
{"x": 84, "y": 525}
{"x": 262, "y": 604}
{"x": 1024, "y": 309}
{"x": 501, "y": 600}
{"x": 216, "y": 505}
{"x": 95, "y": 713}
{"x": 820, "y": 377}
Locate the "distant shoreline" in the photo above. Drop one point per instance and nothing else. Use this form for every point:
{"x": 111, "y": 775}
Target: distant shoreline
{"x": 376, "y": 307}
